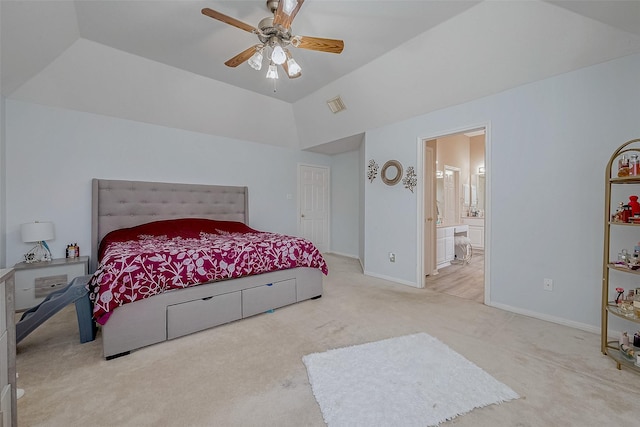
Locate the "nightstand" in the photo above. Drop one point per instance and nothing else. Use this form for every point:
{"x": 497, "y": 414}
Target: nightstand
{"x": 36, "y": 280}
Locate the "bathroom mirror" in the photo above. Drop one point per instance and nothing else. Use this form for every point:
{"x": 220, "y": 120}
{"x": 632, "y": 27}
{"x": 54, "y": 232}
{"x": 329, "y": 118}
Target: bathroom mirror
{"x": 439, "y": 196}
{"x": 478, "y": 191}
{"x": 448, "y": 194}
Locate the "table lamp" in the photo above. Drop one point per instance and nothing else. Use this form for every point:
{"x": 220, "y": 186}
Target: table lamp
{"x": 37, "y": 232}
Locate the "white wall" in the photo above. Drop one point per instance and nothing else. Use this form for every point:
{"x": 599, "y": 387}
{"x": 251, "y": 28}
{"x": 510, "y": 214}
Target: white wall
{"x": 484, "y": 50}
{"x": 52, "y": 154}
{"x": 549, "y": 143}
{"x": 91, "y": 77}
{"x": 345, "y": 196}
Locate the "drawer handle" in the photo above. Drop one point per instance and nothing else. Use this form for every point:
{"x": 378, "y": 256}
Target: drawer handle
{"x": 207, "y": 298}
{"x": 269, "y": 284}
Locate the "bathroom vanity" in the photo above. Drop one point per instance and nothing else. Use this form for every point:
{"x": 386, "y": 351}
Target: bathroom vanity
{"x": 445, "y": 242}
{"x": 476, "y": 231}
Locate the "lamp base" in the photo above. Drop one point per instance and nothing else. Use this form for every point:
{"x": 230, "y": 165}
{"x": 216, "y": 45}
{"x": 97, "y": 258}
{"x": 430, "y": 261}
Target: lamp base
{"x": 37, "y": 254}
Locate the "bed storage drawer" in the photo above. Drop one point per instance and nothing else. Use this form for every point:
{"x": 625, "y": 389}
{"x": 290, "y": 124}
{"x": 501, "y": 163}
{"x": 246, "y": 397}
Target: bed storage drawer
{"x": 263, "y": 298}
{"x": 196, "y": 315}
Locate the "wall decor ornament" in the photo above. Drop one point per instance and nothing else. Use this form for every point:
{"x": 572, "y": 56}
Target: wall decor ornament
{"x": 391, "y": 172}
{"x": 410, "y": 181}
{"x": 373, "y": 170}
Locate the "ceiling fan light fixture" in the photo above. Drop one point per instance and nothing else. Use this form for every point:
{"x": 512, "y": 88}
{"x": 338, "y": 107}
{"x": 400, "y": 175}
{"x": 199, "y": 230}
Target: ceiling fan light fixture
{"x": 293, "y": 68}
{"x": 278, "y": 56}
{"x": 272, "y": 72}
{"x": 256, "y": 60}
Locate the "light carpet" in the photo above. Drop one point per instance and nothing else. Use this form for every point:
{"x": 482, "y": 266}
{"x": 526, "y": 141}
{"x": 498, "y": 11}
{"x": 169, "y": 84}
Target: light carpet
{"x": 413, "y": 380}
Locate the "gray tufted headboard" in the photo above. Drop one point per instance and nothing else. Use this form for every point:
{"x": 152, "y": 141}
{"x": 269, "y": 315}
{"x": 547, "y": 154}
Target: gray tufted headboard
{"x": 121, "y": 204}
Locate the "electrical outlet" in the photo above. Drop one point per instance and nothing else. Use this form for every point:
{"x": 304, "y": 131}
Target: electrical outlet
{"x": 392, "y": 257}
{"x": 547, "y": 284}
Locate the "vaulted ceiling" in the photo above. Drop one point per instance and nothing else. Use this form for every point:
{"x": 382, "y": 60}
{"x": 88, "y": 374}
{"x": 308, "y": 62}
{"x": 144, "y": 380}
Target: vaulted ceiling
{"x": 401, "y": 59}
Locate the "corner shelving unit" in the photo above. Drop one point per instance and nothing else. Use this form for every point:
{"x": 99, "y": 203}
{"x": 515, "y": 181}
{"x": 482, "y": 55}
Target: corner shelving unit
{"x": 631, "y": 184}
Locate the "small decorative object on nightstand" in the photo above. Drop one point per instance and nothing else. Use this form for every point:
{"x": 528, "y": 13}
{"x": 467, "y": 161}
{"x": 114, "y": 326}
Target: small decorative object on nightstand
{"x": 34, "y": 281}
{"x": 37, "y": 232}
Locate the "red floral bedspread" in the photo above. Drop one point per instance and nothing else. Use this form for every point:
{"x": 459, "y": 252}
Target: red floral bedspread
{"x": 136, "y": 269}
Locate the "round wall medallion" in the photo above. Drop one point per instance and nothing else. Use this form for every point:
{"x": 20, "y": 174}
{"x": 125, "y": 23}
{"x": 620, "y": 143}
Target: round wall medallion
{"x": 391, "y": 173}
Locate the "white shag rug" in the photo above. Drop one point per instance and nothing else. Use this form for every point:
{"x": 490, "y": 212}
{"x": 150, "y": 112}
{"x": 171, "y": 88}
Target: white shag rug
{"x": 414, "y": 380}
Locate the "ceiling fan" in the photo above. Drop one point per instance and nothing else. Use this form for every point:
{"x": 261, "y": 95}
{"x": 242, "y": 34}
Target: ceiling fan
{"x": 274, "y": 33}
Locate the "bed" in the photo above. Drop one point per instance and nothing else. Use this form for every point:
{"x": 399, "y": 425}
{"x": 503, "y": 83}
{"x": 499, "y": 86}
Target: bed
{"x": 118, "y": 204}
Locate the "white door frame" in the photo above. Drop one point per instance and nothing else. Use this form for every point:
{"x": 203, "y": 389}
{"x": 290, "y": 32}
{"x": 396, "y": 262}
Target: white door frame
{"x": 427, "y": 227}
{"x": 421, "y": 217}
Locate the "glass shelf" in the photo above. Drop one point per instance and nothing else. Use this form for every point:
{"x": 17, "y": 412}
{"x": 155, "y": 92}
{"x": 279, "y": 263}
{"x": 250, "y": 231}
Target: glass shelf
{"x": 613, "y": 309}
{"x": 625, "y": 180}
{"x": 624, "y": 223}
{"x": 623, "y": 269}
{"x": 613, "y": 351}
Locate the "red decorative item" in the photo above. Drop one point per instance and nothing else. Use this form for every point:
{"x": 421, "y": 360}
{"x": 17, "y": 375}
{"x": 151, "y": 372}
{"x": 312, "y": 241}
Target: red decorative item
{"x": 635, "y": 206}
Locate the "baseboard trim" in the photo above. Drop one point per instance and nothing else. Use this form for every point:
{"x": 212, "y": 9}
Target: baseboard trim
{"x": 341, "y": 254}
{"x": 391, "y": 279}
{"x": 542, "y": 316}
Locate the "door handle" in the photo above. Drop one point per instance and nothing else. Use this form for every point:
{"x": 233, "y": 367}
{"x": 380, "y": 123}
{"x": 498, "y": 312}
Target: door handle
{"x": 430, "y": 219}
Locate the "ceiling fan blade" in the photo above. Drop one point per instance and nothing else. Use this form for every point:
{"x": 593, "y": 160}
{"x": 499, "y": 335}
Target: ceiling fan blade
{"x": 228, "y": 20}
{"x": 317, "y": 43}
{"x": 242, "y": 56}
{"x": 280, "y": 16}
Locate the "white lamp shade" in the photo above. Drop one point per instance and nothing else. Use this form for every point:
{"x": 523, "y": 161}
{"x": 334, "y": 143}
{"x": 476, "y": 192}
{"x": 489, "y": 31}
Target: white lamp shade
{"x": 292, "y": 67}
{"x": 256, "y": 61}
{"x": 272, "y": 72}
{"x": 37, "y": 231}
{"x": 278, "y": 56}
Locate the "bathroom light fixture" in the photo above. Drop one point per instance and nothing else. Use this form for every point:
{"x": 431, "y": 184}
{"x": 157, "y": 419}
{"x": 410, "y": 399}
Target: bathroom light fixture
{"x": 37, "y": 232}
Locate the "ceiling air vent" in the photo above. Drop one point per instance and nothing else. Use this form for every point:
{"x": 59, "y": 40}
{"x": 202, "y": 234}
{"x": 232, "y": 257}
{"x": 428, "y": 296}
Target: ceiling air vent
{"x": 336, "y": 105}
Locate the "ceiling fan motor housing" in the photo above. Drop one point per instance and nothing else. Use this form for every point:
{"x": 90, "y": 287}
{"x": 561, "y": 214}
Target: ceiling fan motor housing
{"x": 268, "y": 32}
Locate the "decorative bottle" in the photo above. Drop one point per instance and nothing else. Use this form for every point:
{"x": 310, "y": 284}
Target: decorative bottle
{"x": 635, "y": 205}
{"x": 623, "y": 166}
{"x": 633, "y": 165}
{"x": 636, "y": 304}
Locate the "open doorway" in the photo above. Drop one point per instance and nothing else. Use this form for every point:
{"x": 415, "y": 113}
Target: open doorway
{"x": 461, "y": 206}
